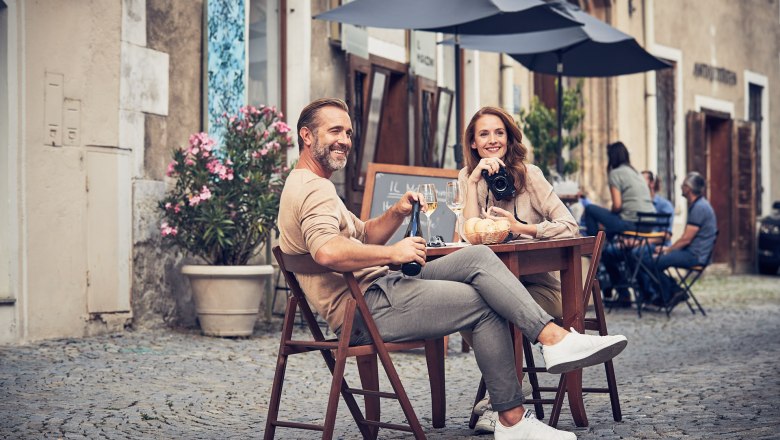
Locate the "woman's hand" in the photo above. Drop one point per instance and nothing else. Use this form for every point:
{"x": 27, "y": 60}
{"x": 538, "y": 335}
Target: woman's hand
{"x": 490, "y": 164}
{"x": 495, "y": 213}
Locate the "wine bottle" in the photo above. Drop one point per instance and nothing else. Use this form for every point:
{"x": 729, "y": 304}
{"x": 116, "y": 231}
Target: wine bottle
{"x": 413, "y": 268}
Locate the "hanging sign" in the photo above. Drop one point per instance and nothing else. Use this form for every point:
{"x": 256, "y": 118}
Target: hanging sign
{"x": 423, "y": 62}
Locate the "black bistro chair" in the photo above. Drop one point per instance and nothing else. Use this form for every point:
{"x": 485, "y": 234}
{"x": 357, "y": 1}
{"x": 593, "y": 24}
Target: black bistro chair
{"x": 634, "y": 245}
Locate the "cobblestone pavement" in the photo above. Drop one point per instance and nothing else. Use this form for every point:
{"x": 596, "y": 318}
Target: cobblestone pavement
{"x": 684, "y": 377}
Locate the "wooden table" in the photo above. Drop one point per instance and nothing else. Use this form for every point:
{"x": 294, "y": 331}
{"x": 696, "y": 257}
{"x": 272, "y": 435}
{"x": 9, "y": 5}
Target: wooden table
{"x": 526, "y": 257}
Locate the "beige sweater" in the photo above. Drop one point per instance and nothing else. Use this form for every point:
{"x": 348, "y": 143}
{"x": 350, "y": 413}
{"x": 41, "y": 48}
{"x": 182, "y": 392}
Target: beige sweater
{"x": 538, "y": 205}
{"x": 310, "y": 214}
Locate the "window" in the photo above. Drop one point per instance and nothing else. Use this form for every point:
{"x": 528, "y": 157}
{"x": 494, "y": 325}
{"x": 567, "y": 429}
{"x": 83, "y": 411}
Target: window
{"x": 264, "y": 74}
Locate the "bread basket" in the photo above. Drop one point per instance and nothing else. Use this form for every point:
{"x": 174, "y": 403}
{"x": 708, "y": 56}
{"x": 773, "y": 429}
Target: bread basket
{"x": 492, "y": 237}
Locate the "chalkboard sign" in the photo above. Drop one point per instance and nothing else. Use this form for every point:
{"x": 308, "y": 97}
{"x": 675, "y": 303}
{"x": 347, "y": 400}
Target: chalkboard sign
{"x": 385, "y": 184}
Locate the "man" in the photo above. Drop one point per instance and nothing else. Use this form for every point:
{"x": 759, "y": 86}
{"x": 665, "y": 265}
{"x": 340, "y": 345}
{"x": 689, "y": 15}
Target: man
{"x": 692, "y": 249}
{"x": 468, "y": 290}
{"x": 662, "y": 205}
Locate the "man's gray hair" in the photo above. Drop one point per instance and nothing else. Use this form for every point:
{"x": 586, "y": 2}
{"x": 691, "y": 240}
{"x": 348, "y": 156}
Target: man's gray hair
{"x": 695, "y": 182}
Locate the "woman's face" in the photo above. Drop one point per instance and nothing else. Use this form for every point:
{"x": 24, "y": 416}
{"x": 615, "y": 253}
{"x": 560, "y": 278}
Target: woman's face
{"x": 490, "y": 137}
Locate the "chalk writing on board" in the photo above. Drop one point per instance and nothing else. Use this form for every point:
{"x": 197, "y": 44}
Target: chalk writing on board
{"x": 390, "y": 187}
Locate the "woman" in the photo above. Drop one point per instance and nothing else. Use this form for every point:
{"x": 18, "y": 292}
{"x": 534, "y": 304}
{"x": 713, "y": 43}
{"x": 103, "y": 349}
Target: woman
{"x": 629, "y": 193}
{"x": 493, "y": 141}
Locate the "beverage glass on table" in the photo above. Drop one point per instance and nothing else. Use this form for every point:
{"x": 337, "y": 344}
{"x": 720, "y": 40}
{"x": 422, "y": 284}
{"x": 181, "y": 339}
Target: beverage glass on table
{"x": 428, "y": 191}
{"x": 456, "y": 202}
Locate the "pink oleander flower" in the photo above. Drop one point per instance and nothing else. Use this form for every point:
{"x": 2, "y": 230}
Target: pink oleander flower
{"x": 281, "y": 127}
{"x": 166, "y": 230}
{"x": 205, "y": 193}
{"x": 194, "y": 199}
{"x": 226, "y": 195}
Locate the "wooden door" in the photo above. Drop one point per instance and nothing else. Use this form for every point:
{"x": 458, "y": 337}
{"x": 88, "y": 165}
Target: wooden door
{"x": 744, "y": 188}
{"x": 719, "y": 183}
{"x": 696, "y": 143}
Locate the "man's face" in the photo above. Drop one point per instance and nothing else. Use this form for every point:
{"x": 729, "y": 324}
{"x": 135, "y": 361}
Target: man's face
{"x": 685, "y": 190}
{"x": 332, "y": 138}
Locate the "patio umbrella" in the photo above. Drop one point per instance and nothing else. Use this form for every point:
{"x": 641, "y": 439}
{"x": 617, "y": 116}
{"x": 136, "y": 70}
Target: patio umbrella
{"x": 458, "y": 17}
{"x": 595, "y": 49}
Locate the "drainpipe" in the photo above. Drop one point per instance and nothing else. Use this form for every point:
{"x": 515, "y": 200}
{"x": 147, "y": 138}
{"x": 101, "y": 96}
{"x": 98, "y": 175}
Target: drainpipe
{"x": 651, "y": 121}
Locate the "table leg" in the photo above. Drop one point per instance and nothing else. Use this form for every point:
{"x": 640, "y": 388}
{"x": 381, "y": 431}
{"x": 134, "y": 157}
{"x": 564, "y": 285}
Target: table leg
{"x": 573, "y": 316}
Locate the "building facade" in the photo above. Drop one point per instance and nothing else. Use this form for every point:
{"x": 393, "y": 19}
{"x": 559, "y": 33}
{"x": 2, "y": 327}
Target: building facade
{"x": 89, "y": 115}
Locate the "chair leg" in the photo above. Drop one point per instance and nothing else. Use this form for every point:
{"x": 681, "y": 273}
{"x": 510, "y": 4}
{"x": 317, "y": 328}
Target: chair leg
{"x": 532, "y": 377}
{"x": 555, "y": 412}
{"x": 369, "y": 378}
{"x": 403, "y": 398}
{"x": 480, "y": 395}
{"x": 614, "y": 399}
{"x": 434, "y": 356}
{"x": 281, "y": 368}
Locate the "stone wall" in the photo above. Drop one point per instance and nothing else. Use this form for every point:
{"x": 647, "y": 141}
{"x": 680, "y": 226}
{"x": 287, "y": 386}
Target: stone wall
{"x": 161, "y": 295}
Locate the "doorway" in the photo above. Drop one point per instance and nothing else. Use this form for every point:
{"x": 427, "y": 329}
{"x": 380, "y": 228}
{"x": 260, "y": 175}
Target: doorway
{"x": 723, "y": 151}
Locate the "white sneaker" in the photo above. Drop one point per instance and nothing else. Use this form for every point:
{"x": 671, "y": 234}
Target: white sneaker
{"x": 530, "y": 429}
{"x": 486, "y": 422}
{"x": 577, "y": 351}
{"x": 484, "y": 404}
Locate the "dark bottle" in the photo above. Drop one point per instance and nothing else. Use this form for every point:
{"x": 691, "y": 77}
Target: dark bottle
{"x": 414, "y": 229}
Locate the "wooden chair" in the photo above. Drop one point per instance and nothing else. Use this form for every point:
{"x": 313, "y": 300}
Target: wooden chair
{"x": 335, "y": 353}
{"x": 595, "y": 323}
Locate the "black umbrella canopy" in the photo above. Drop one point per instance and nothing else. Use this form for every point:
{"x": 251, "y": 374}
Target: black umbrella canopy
{"x": 480, "y": 17}
{"x": 594, "y": 49}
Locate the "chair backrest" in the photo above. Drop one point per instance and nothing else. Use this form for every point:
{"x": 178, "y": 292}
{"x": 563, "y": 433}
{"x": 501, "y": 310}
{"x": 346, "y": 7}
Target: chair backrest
{"x": 305, "y": 264}
{"x": 712, "y": 249}
{"x": 595, "y": 259}
{"x": 289, "y": 265}
{"x": 653, "y": 221}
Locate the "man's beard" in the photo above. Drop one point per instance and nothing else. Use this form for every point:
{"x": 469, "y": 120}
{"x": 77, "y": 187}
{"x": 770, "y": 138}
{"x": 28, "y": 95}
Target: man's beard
{"x": 322, "y": 155}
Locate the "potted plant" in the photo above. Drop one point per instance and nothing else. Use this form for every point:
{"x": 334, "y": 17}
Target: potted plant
{"x": 221, "y": 210}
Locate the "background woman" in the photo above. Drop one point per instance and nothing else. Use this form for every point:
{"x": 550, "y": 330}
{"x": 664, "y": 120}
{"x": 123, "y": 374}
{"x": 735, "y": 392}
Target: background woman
{"x": 629, "y": 193}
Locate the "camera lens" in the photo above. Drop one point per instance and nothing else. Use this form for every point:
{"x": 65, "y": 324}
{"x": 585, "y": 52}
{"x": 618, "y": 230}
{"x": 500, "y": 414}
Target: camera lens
{"x": 500, "y": 184}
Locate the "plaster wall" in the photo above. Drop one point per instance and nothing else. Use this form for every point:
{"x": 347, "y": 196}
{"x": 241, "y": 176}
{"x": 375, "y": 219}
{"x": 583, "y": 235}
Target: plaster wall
{"x": 737, "y": 36}
{"x": 78, "y": 42}
{"x": 630, "y": 90}
{"x": 490, "y": 82}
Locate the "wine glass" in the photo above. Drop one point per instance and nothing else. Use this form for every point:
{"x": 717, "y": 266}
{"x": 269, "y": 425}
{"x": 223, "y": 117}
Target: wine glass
{"x": 428, "y": 191}
{"x": 455, "y": 201}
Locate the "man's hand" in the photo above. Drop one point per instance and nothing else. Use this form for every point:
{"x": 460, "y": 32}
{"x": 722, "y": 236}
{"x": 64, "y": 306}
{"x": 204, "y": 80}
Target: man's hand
{"x": 407, "y": 250}
{"x": 404, "y": 205}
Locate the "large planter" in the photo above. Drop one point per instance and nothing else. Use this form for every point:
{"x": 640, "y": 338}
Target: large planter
{"x": 227, "y": 298}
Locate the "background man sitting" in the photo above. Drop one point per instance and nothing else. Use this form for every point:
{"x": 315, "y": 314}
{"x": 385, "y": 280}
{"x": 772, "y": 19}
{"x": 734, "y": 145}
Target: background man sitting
{"x": 692, "y": 249}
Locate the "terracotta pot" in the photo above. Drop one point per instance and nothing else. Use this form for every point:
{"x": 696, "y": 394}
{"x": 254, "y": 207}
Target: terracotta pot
{"x": 227, "y": 298}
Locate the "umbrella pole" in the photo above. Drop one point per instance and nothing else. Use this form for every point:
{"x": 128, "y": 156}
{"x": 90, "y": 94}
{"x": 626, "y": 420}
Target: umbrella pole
{"x": 559, "y": 160}
{"x": 458, "y": 153}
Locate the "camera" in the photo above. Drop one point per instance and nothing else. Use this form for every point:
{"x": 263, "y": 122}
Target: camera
{"x": 501, "y": 184}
